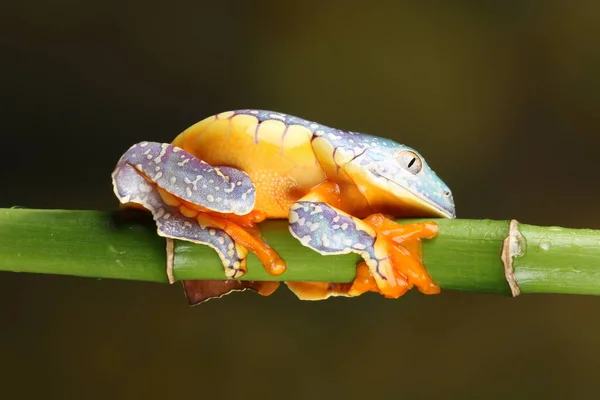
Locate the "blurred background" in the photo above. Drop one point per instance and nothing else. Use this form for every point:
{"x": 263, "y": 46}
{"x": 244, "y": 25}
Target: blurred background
{"x": 500, "y": 97}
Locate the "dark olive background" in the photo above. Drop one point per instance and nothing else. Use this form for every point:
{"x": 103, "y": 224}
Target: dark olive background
{"x": 501, "y": 97}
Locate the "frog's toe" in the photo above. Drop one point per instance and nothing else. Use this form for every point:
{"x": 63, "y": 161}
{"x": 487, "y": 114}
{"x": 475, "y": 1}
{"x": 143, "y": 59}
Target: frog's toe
{"x": 236, "y": 269}
{"x": 402, "y": 244}
{"x": 408, "y": 263}
{"x": 381, "y": 263}
{"x": 364, "y": 281}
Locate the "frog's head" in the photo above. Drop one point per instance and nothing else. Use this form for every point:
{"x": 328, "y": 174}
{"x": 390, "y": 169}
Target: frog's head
{"x": 397, "y": 179}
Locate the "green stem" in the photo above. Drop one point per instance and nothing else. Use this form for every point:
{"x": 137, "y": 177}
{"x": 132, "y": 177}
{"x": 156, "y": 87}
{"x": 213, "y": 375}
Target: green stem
{"x": 124, "y": 245}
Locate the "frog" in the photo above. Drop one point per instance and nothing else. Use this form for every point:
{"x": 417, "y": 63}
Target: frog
{"x": 340, "y": 191}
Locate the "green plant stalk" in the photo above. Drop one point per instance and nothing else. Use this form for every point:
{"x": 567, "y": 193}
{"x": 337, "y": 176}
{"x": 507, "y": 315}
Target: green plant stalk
{"x": 124, "y": 245}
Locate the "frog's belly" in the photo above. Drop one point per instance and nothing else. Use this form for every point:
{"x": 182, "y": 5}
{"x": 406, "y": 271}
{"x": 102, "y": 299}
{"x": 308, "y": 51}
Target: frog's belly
{"x": 278, "y": 158}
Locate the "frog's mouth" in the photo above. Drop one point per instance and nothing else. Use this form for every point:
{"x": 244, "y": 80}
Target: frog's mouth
{"x": 413, "y": 199}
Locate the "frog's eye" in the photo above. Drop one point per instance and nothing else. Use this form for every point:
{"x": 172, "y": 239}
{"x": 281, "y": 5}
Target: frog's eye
{"x": 410, "y": 161}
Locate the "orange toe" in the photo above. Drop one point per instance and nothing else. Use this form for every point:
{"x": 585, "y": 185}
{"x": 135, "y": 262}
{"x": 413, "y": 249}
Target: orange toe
{"x": 267, "y": 288}
{"x": 364, "y": 281}
{"x": 390, "y": 228}
{"x": 250, "y": 239}
{"x": 411, "y": 267}
{"x": 390, "y": 282}
{"x": 403, "y": 246}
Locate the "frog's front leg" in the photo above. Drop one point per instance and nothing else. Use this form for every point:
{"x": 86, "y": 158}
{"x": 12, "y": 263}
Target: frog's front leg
{"x": 391, "y": 252}
{"x": 147, "y": 176}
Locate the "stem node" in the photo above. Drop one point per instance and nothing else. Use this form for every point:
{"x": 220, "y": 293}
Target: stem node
{"x": 513, "y": 246}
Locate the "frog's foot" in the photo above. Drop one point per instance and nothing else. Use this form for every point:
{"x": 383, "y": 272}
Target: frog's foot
{"x": 390, "y": 250}
{"x": 403, "y": 245}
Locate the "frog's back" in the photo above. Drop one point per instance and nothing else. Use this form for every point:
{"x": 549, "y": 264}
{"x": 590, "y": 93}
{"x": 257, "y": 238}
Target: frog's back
{"x": 274, "y": 149}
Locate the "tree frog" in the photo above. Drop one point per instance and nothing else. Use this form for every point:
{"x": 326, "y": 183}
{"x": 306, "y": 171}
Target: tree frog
{"x": 339, "y": 190}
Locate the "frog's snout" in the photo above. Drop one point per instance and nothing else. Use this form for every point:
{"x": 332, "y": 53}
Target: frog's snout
{"x": 447, "y": 207}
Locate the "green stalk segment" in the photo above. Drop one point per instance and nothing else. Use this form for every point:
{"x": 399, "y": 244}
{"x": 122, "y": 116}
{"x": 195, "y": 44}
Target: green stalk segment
{"x": 92, "y": 244}
{"x": 559, "y": 260}
{"x": 124, "y": 245}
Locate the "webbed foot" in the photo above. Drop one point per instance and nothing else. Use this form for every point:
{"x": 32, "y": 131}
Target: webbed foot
{"x": 391, "y": 251}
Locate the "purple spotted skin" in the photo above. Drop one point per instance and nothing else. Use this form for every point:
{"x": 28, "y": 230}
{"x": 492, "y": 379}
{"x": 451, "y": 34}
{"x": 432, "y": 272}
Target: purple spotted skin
{"x": 220, "y": 189}
{"x": 328, "y": 231}
{"x": 130, "y": 187}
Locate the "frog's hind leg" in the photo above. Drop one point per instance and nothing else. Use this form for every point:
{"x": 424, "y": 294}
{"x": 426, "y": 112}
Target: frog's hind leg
{"x": 391, "y": 252}
{"x": 219, "y": 197}
{"x": 135, "y": 189}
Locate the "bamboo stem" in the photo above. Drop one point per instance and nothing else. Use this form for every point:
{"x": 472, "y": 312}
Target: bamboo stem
{"x": 466, "y": 255}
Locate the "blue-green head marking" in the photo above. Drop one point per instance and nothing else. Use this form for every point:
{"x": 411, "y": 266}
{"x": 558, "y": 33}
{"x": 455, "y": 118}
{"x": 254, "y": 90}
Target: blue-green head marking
{"x": 392, "y": 176}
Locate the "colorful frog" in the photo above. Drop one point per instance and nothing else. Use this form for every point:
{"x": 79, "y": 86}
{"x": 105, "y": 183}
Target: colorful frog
{"x": 339, "y": 190}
